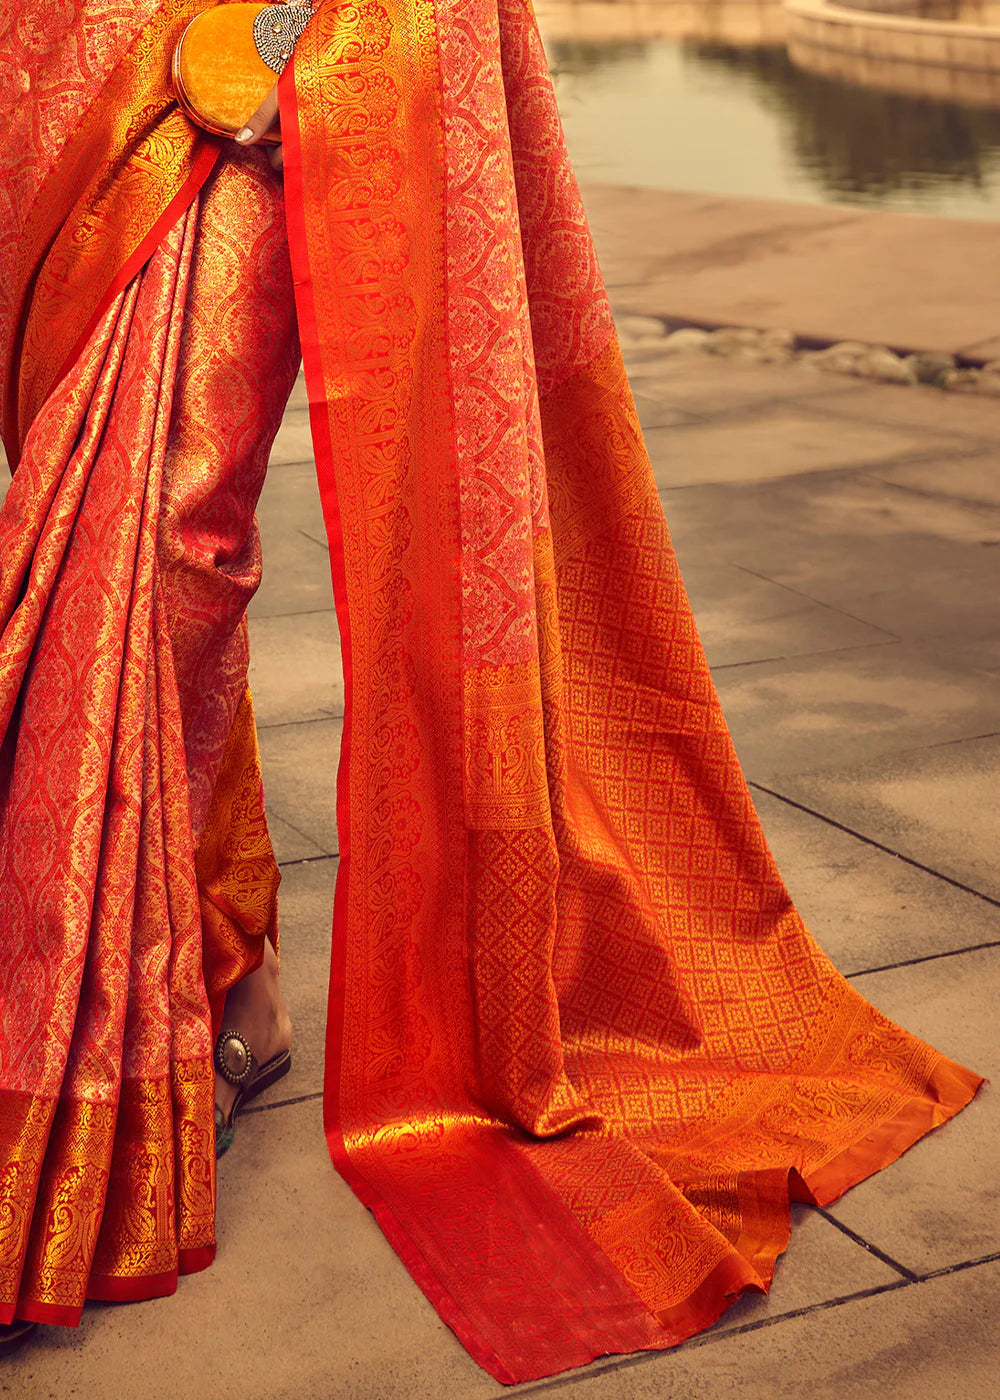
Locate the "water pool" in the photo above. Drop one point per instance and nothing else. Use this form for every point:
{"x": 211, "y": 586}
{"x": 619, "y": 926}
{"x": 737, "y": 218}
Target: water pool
{"x": 720, "y": 107}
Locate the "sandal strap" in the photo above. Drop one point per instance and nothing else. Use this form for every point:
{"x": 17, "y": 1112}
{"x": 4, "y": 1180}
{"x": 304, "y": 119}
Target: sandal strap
{"x": 234, "y": 1059}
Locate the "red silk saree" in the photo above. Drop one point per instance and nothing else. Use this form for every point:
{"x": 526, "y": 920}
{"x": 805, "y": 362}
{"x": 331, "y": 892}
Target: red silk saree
{"x": 148, "y": 350}
{"x": 581, "y": 1050}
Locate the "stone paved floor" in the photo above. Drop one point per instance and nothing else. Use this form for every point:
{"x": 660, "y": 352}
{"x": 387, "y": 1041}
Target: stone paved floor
{"x": 841, "y": 543}
{"x": 829, "y": 272}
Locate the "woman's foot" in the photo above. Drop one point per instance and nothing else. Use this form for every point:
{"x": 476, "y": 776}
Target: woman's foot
{"x": 256, "y": 1008}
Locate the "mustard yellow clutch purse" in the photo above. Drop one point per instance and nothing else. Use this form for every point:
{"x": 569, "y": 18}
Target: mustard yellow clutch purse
{"x": 228, "y": 59}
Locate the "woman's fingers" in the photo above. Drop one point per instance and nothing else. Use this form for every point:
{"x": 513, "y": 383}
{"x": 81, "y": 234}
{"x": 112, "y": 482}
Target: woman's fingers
{"x": 262, "y": 120}
{"x": 265, "y": 117}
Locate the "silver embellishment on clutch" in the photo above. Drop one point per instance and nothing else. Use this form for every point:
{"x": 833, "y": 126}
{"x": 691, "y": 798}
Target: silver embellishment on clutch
{"x": 276, "y": 31}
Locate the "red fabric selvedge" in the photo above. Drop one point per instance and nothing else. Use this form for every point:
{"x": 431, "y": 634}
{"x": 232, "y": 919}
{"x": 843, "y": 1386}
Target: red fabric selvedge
{"x": 323, "y": 447}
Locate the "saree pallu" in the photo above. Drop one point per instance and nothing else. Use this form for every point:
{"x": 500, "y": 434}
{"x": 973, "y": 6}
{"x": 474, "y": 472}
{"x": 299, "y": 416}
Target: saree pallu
{"x": 149, "y": 347}
{"x": 582, "y": 1051}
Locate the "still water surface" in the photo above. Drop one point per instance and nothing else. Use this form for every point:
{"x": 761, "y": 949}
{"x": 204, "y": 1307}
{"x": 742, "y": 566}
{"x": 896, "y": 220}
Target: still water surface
{"x": 740, "y": 118}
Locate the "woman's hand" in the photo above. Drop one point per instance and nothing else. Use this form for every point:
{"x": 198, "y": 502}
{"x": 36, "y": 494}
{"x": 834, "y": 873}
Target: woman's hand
{"x": 262, "y": 121}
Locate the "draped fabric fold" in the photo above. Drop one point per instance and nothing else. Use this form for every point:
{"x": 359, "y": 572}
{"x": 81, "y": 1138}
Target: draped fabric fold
{"x": 148, "y": 350}
{"x": 582, "y": 1051}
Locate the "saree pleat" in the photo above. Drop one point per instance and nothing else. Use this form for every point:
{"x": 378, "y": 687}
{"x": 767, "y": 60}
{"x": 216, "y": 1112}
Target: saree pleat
{"x": 88, "y": 735}
{"x": 582, "y": 1051}
{"x": 139, "y": 881}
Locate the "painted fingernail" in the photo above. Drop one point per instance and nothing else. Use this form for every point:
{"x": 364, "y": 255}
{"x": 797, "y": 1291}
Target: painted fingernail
{"x": 245, "y": 133}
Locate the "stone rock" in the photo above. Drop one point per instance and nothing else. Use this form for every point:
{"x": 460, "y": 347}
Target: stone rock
{"x": 840, "y": 358}
{"x": 961, "y": 381}
{"x": 776, "y": 346}
{"x": 864, "y": 361}
{"x": 931, "y": 368}
{"x": 883, "y": 365}
{"x": 778, "y": 340}
{"x": 735, "y": 341}
{"x": 689, "y": 340}
{"x": 641, "y": 330}
{"x": 985, "y": 381}
{"x": 744, "y": 343}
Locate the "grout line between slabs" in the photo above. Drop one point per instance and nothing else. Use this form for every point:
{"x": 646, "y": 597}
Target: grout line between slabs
{"x": 813, "y": 404}
{"x": 283, "y": 1103}
{"x": 817, "y": 602}
{"x": 734, "y": 413}
{"x": 967, "y": 739}
{"x": 961, "y": 1267}
{"x": 703, "y": 1339}
{"x": 308, "y": 860}
{"x": 879, "y": 846}
{"x": 713, "y": 1338}
{"x": 295, "y": 612}
{"x": 886, "y": 641}
{"x": 967, "y": 502}
{"x": 323, "y": 717}
{"x": 306, "y": 535}
{"x": 971, "y": 440}
{"x": 924, "y": 957}
{"x": 867, "y": 1245}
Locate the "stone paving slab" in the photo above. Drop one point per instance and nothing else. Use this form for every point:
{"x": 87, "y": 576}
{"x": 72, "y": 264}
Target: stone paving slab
{"x": 293, "y": 540}
{"x": 305, "y": 905}
{"x": 925, "y": 1341}
{"x": 962, "y": 415}
{"x": 295, "y": 667}
{"x": 294, "y": 441}
{"x": 971, "y": 481}
{"x": 784, "y": 441}
{"x": 820, "y": 1263}
{"x": 656, "y": 413}
{"x": 939, "y": 1204}
{"x": 867, "y": 908}
{"x": 300, "y": 773}
{"x": 937, "y": 805}
{"x": 913, "y": 565}
{"x": 744, "y": 618}
{"x": 289, "y": 843}
{"x": 640, "y": 232}
{"x": 979, "y": 654}
{"x": 839, "y": 710}
{"x": 298, "y": 398}
{"x": 701, "y": 385}
{"x": 832, "y": 274}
